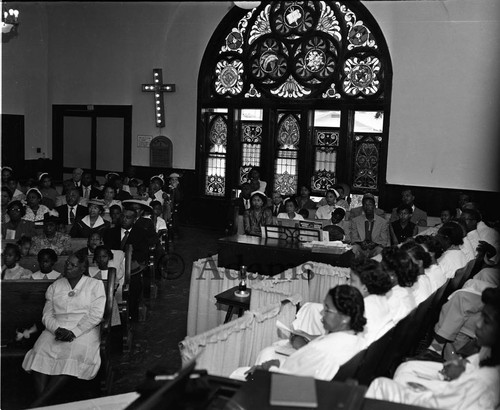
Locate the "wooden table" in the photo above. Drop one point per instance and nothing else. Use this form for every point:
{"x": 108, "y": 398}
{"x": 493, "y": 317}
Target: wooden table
{"x": 254, "y": 395}
{"x": 231, "y": 300}
{"x": 271, "y": 256}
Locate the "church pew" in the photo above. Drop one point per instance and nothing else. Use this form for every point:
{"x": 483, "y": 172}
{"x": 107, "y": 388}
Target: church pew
{"x": 22, "y": 306}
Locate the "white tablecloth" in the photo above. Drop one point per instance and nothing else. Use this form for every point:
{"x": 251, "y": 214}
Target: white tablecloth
{"x": 208, "y": 280}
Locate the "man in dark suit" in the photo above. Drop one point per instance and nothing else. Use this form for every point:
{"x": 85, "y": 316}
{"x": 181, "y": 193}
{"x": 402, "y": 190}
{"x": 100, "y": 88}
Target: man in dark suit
{"x": 118, "y": 238}
{"x": 120, "y": 195}
{"x": 146, "y": 223}
{"x": 277, "y": 205}
{"x": 418, "y": 217}
{"x": 243, "y": 201}
{"x": 72, "y": 211}
{"x": 76, "y": 178}
{"x": 87, "y": 191}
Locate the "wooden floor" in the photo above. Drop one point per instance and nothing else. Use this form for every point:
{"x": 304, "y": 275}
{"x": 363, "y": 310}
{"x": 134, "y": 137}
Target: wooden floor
{"x": 155, "y": 341}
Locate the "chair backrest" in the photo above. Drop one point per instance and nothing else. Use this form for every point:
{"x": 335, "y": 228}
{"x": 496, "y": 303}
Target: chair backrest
{"x": 370, "y": 367}
{"x": 22, "y": 305}
{"x": 349, "y": 369}
{"x": 399, "y": 346}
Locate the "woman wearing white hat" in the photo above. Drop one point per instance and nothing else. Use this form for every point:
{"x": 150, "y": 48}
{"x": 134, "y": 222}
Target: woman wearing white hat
{"x": 93, "y": 222}
{"x": 35, "y": 211}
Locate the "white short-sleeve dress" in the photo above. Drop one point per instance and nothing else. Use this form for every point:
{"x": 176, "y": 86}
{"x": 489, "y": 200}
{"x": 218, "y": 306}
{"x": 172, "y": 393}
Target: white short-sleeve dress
{"x": 80, "y": 310}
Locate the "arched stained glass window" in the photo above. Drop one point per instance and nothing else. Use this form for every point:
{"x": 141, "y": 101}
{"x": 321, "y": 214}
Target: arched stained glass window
{"x": 313, "y": 69}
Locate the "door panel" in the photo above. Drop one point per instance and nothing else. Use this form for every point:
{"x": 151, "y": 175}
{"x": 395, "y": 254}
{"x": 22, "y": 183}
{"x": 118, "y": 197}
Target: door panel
{"x": 77, "y": 145}
{"x": 109, "y": 144}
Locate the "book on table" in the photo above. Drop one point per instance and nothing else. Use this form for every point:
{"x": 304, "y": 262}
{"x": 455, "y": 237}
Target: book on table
{"x": 292, "y": 391}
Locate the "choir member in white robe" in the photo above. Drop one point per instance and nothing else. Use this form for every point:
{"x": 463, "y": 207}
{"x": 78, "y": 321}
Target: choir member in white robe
{"x": 403, "y": 272}
{"x": 367, "y": 276}
{"x": 460, "y": 384}
{"x": 343, "y": 319}
{"x": 422, "y": 288}
{"x": 451, "y": 236}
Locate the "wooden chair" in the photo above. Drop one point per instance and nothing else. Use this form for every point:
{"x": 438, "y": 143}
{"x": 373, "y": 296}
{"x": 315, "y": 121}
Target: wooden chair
{"x": 123, "y": 306}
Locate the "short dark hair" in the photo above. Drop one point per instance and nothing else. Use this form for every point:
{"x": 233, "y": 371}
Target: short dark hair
{"x": 403, "y": 207}
{"x": 339, "y": 212}
{"x": 115, "y": 207}
{"x": 7, "y": 190}
{"x": 432, "y": 243}
{"x": 19, "y": 204}
{"x": 349, "y": 301}
{"x": 152, "y": 204}
{"x": 82, "y": 257}
{"x": 400, "y": 262}
{"x": 473, "y": 213}
{"x": 51, "y": 253}
{"x": 103, "y": 248}
{"x": 293, "y": 201}
{"x": 376, "y": 280}
{"x": 15, "y": 248}
{"x": 419, "y": 253}
{"x": 451, "y": 232}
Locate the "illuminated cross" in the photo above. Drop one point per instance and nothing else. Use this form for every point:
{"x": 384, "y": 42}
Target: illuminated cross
{"x": 159, "y": 88}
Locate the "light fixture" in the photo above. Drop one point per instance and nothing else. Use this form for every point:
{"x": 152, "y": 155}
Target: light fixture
{"x": 247, "y": 5}
{"x": 10, "y": 21}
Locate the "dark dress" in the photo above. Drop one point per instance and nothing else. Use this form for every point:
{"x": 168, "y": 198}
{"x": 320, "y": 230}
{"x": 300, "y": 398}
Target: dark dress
{"x": 402, "y": 234}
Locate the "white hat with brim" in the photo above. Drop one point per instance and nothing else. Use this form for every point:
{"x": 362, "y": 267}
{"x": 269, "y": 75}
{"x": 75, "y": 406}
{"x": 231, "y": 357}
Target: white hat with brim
{"x": 141, "y": 202}
{"x": 174, "y": 175}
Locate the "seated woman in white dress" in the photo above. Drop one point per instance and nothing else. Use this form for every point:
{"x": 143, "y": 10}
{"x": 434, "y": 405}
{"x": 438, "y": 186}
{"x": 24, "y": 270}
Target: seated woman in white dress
{"x": 422, "y": 288}
{"x": 325, "y": 211}
{"x": 404, "y": 272}
{"x": 69, "y": 345}
{"x": 291, "y": 211}
{"x": 459, "y": 384}
{"x": 434, "y": 272}
{"x": 373, "y": 283}
{"x": 451, "y": 236}
{"x": 344, "y": 321}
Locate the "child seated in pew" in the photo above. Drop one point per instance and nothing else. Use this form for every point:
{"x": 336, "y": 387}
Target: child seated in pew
{"x": 102, "y": 258}
{"x": 159, "y": 223}
{"x": 291, "y": 211}
{"x": 11, "y": 270}
{"x": 94, "y": 240}
{"x": 115, "y": 212}
{"x": 343, "y": 321}
{"x": 459, "y": 384}
{"x": 46, "y": 260}
{"x": 24, "y": 245}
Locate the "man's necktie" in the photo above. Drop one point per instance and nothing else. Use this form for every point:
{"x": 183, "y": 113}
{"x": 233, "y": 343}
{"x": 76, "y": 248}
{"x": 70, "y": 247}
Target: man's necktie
{"x": 247, "y": 203}
{"x": 72, "y": 215}
{"x": 368, "y": 230}
{"x": 124, "y": 240}
{"x": 276, "y": 207}
{"x": 86, "y": 193}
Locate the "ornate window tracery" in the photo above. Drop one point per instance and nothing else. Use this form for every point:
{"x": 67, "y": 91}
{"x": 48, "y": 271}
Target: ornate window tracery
{"x": 300, "y": 56}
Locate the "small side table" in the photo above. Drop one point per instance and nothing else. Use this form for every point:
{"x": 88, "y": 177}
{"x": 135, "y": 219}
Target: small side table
{"x": 231, "y": 300}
